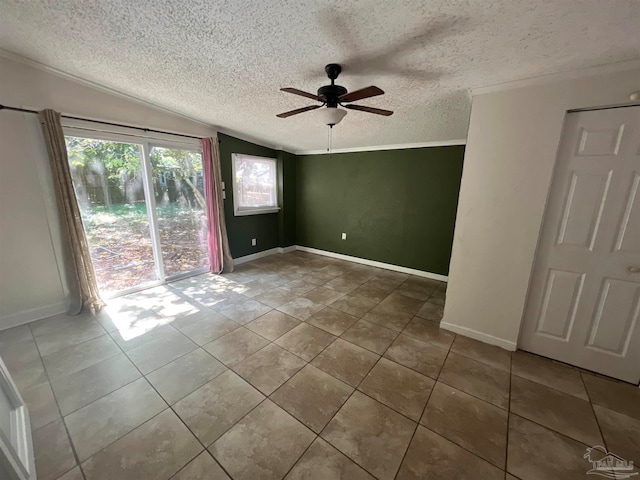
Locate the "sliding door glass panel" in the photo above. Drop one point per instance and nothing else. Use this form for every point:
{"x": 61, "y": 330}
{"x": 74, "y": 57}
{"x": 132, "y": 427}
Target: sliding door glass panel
{"x": 178, "y": 186}
{"x": 107, "y": 178}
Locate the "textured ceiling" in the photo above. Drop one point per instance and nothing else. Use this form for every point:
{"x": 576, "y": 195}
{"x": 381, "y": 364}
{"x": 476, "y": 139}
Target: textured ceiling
{"x": 223, "y": 61}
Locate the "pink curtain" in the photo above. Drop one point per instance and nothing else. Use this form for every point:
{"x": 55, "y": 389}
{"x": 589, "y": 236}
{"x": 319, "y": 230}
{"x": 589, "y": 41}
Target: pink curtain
{"x": 219, "y": 253}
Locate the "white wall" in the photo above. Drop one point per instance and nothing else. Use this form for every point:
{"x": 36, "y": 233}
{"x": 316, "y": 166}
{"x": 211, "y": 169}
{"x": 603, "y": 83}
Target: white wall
{"x": 510, "y": 154}
{"x": 31, "y": 286}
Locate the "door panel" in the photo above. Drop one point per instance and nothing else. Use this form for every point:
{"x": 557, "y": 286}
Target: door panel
{"x": 584, "y": 298}
{"x": 615, "y": 316}
{"x": 560, "y": 303}
{"x": 583, "y": 208}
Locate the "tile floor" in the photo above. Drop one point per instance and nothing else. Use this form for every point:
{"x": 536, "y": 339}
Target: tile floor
{"x": 298, "y": 366}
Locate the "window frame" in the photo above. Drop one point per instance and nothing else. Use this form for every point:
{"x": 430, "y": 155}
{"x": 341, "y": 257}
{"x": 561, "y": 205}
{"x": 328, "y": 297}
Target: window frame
{"x": 244, "y": 211}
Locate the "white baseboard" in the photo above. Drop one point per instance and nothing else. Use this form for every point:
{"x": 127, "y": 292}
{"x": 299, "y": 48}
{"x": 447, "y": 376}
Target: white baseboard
{"x": 32, "y": 315}
{"x": 482, "y": 337}
{"x": 264, "y": 253}
{"x": 373, "y": 263}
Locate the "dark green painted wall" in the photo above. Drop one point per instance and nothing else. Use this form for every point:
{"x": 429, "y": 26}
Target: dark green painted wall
{"x": 269, "y": 229}
{"x": 396, "y": 206}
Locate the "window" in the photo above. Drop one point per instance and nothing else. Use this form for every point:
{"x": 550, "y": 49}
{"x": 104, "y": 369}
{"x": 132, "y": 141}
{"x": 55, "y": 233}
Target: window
{"x": 255, "y": 185}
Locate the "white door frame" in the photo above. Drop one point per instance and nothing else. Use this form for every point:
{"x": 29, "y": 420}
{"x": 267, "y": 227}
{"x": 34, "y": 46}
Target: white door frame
{"x": 16, "y": 447}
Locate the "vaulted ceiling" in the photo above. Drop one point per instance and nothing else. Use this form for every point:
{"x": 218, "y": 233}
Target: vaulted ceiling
{"x": 224, "y": 61}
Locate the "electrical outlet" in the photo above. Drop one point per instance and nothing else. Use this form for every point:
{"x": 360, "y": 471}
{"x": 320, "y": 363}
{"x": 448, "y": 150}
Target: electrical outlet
{"x": 344, "y": 236}
{"x": 253, "y": 242}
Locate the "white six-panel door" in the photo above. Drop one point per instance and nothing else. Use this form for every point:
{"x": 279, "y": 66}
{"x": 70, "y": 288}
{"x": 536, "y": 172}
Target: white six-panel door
{"x": 584, "y": 298}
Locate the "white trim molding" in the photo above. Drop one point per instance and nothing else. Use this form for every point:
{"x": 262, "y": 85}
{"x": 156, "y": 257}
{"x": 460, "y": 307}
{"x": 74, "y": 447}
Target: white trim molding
{"x": 375, "y": 148}
{"x": 482, "y": 337}
{"x": 32, "y": 315}
{"x": 558, "y": 77}
{"x": 264, "y": 253}
{"x": 374, "y": 263}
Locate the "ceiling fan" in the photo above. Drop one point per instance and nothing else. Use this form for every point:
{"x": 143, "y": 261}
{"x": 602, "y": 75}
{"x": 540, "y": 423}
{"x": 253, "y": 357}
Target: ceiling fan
{"x": 334, "y": 95}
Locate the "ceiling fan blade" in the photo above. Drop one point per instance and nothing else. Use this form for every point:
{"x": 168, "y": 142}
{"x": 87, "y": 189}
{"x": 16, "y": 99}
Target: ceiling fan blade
{"x": 361, "y": 94}
{"x": 302, "y": 93}
{"x": 297, "y": 111}
{"x": 377, "y": 111}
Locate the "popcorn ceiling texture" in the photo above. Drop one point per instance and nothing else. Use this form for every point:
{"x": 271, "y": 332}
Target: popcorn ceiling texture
{"x": 223, "y": 61}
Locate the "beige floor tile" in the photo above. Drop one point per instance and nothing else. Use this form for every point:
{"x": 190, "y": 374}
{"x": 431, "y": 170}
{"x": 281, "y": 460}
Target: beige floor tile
{"x": 422, "y": 357}
{"x": 203, "y": 467}
{"x": 236, "y": 346}
{"x": 537, "y": 453}
{"x": 482, "y": 352}
{"x": 245, "y": 311}
{"x": 382, "y": 283}
{"x": 622, "y": 433}
{"x": 275, "y": 297}
{"x": 305, "y": 341}
{"x": 263, "y": 445}
{"x": 469, "y": 422}
{"x": 431, "y": 311}
{"x": 312, "y": 396}
{"x": 160, "y": 351}
{"x": 54, "y": 334}
{"x": 52, "y": 451}
{"x": 128, "y": 339}
{"x": 554, "y": 409}
{"x": 14, "y": 336}
{"x": 73, "y": 474}
{"x": 323, "y": 295}
{"x": 258, "y": 287}
{"x": 24, "y": 364}
{"x": 342, "y": 285}
{"x": 299, "y": 287}
{"x": 477, "y": 379}
{"x": 419, "y": 292}
{"x": 41, "y": 405}
{"x": 272, "y": 325}
{"x": 397, "y": 301}
{"x": 617, "y": 396}
{"x": 333, "y": 321}
{"x": 388, "y": 317}
{"x": 205, "y": 327}
{"x": 549, "y": 373}
{"x": 80, "y": 356}
{"x": 100, "y": 423}
{"x": 371, "y": 292}
{"x": 217, "y": 405}
{"x": 179, "y": 378}
{"x": 438, "y": 296}
{"x": 429, "y": 331}
{"x": 319, "y": 278}
{"x": 398, "y": 387}
{"x": 118, "y": 316}
{"x": 346, "y": 361}
{"x": 445, "y": 460}
{"x": 269, "y": 368}
{"x": 370, "y": 336}
{"x": 370, "y": 434}
{"x": 354, "y": 305}
{"x": 85, "y": 386}
{"x": 301, "y": 308}
{"x": 157, "y": 449}
{"x": 323, "y": 462}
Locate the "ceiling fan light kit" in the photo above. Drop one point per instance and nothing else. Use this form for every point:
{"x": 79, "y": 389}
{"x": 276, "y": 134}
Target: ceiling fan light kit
{"x": 333, "y": 96}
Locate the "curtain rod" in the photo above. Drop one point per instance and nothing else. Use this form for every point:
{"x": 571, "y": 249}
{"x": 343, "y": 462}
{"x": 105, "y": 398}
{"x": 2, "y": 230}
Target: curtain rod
{"x": 26, "y": 110}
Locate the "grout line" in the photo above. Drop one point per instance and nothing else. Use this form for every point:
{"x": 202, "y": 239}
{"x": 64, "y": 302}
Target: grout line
{"x": 604, "y": 440}
{"x": 64, "y": 424}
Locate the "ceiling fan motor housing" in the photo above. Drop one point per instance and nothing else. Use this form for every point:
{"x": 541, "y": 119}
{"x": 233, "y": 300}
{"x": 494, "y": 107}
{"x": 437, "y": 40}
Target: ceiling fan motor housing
{"x": 329, "y": 94}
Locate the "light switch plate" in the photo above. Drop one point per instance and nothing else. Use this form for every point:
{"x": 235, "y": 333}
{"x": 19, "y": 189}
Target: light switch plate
{"x": 344, "y": 236}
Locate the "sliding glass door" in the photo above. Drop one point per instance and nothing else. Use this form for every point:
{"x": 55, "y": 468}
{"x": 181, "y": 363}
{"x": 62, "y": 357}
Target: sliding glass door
{"x": 143, "y": 210}
{"x": 178, "y": 188}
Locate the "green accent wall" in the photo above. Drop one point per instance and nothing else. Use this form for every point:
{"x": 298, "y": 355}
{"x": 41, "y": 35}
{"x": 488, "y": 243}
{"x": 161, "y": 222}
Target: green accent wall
{"x": 269, "y": 229}
{"x": 396, "y": 206}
